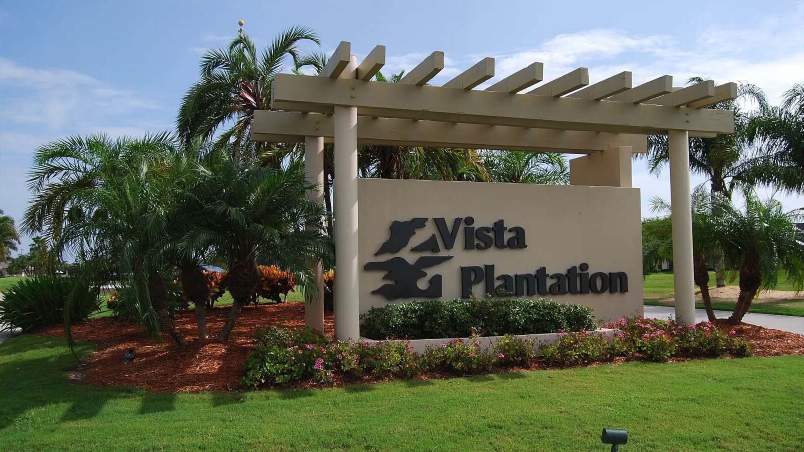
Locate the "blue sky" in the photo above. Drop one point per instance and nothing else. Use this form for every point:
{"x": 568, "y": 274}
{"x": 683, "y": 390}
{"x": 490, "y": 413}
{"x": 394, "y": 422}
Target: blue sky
{"x": 121, "y": 67}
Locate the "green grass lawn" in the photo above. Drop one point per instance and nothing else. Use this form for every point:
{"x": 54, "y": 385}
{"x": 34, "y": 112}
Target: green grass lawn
{"x": 660, "y": 285}
{"x": 225, "y": 300}
{"x": 7, "y": 281}
{"x": 793, "y": 307}
{"x": 697, "y": 405}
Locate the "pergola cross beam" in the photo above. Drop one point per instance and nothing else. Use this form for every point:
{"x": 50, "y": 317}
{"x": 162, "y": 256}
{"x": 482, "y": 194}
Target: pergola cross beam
{"x": 318, "y": 94}
{"x": 293, "y": 127}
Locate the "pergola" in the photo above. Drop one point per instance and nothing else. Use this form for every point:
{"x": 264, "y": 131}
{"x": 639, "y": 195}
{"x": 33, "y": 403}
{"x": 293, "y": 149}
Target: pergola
{"x": 608, "y": 120}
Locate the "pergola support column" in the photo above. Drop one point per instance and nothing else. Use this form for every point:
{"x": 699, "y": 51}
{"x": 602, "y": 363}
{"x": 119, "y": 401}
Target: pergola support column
{"x": 347, "y": 307}
{"x": 314, "y": 175}
{"x": 681, "y": 217}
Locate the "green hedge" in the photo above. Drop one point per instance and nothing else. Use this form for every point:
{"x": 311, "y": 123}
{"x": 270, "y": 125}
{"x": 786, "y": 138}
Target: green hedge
{"x": 38, "y": 302}
{"x": 461, "y": 318}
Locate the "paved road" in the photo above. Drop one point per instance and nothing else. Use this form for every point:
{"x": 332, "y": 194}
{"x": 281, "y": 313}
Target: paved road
{"x": 779, "y": 322}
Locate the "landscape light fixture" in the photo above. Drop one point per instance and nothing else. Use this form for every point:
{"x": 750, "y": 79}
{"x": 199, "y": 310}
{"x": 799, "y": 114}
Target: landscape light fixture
{"x": 615, "y": 437}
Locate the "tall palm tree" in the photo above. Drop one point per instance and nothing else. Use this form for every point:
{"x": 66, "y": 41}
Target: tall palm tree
{"x": 723, "y": 159}
{"x": 253, "y": 214}
{"x": 234, "y": 83}
{"x": 9, "y": 237}
{"x": 778, "y": 133}
{"x": 760, "y": 242}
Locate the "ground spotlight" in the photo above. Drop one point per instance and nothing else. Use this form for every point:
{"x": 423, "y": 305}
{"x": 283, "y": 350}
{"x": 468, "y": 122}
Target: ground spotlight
{"x": 615, "y": 437}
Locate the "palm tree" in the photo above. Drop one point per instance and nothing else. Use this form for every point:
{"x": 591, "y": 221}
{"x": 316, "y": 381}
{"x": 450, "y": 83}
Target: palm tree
{"x": 721, "y": 159}
{"x": 234, "y": 83}
{"x": 760, "y": 242}
{"x": 9, "y": 237}
{"x": 250, "y": 214}
{"x": 705, "y": 240}
{"x": 526, "y": 167}
{"x": 778, "y": 133}
{"x": 106, "y": 201}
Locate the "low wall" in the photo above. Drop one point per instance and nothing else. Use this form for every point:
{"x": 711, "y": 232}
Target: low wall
{"x": 486, "y": 342}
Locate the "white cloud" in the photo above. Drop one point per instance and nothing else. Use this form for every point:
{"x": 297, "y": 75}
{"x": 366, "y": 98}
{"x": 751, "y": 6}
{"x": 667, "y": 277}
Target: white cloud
{"x": 60, "y": 98}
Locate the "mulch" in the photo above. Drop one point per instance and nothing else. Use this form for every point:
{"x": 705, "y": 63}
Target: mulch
{"x": 766, "y": 341}
{"x": 161, "y": 366}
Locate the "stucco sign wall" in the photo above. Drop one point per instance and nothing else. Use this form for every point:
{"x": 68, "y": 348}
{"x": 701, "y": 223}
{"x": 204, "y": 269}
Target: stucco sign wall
{"x": 429, "y": 239}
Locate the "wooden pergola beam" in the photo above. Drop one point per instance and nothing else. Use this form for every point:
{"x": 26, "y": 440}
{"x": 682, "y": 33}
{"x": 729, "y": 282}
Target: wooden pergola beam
{"x": 292, "y": 127}
{"x": 688, "y": 95}
{"x": 475, "y": 75}
{"x": 425, "y": 70}
{"x": 567, "y": 83}
{"x": 519, "y": 80}
{"x": 646, "y": 91}
{"x": 723, "y": 92}
{"x": 338, "y": 61}
{"x": 372, "y": 64}
{"x": 317, "y": 94}
{"x": 605, "y": 88}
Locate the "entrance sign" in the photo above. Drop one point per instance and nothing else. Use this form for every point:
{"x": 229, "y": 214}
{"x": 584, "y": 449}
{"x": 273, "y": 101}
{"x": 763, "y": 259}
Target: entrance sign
{"x": 428, "y": 239}
{"x": 576, "y": 244}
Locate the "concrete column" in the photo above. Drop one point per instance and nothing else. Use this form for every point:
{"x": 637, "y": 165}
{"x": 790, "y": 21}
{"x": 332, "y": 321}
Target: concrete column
{"x": 314, "y": 175}
{"x": 347, "y": 307}
{"x": 681, "y": 217}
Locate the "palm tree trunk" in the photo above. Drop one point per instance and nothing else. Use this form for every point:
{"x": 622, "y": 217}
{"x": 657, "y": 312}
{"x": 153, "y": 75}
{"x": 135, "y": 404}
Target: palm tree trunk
{"x": 201, "y": 320}
{"x": 707, "y": 301}
{"x": 195, "y": 288}
{"x": 159, "y": 299}
{"x": 243, "y": 281}
{"x": 750, "y": 282}
{"x": 743, "y": 305}
{"x": 719, "y": 190}
{"x": 720, "y": 269}
{"x": 701, "y": 276}
{"x": 234, "y": 312}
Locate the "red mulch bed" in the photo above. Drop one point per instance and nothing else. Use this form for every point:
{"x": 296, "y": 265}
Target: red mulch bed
{"x": 215, "y": 366}
{"x": 766, "y": 341}
{"x": 161, "y": 366}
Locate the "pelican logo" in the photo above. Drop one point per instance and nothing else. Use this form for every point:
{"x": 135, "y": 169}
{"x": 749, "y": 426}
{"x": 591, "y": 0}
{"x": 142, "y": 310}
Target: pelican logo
{"x": 404, "y": 276}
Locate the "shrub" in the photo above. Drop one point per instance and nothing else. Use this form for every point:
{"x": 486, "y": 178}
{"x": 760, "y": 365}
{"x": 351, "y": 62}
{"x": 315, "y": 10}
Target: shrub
{"x": 388, "y": 359}
{"x": 38, "y": 302}
{"x": 287, "y": 356}
{"x": 291, "y": 356}
{"x": 274, "y": 282}
{"x": 659, "y": 340}
{"x": 457, "y": 357}
{"x": 702, "y": 340}
{"x": 576, "y": 349}
{"x": 216, "y": 282}
{"x": 658, "y": 347}
{"x": 462, "y": 318}
{"x": 123, "y": 305}
{"x": 511, "y": 351}
{"x": 740, "y": 348}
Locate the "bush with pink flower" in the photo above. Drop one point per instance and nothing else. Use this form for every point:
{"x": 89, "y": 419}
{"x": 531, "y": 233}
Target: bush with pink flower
{"x": 287, "y": 357}
{"x": 458, "y": 357}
